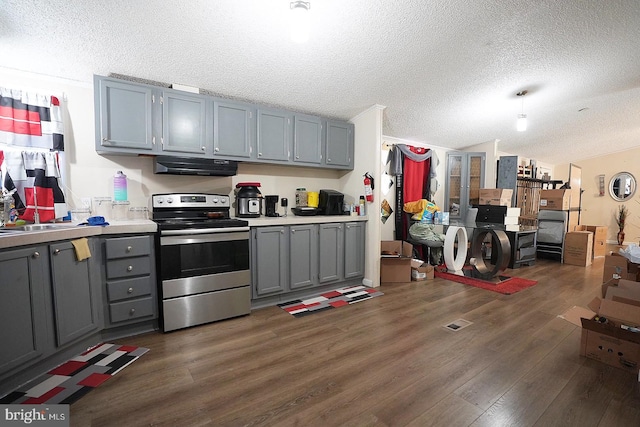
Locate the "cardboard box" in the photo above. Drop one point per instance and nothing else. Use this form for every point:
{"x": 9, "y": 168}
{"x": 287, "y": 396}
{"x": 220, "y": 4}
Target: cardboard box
{"x": 578, "y": 246}
{"x": 599, "y": 238}
{"x": 395, "y": 262}
{"x": 421, "y": 271}
{"x": 496, "y": 196}
{"x": 618, "y": 267}
{"x": 612, "y": 342}
{"x": 555, "y": 200}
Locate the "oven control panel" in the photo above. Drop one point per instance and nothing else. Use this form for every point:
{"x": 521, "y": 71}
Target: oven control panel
{"x": 190, "y": 200}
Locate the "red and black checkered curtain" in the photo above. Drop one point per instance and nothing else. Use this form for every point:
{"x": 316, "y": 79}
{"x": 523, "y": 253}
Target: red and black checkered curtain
{"x": 31, "y": 139}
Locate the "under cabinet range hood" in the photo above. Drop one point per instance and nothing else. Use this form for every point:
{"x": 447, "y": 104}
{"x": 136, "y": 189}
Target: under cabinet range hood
{"x": 194, "y": 166}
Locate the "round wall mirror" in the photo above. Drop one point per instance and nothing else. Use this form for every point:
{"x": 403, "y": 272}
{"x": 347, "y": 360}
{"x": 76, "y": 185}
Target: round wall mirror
{"x": 622, "y": 186}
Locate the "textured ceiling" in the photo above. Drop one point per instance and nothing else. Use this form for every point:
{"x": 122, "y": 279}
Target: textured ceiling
{"x": 447, "y": 70}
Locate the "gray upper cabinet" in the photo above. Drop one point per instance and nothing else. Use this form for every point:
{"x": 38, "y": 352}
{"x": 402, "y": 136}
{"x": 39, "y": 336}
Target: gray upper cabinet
{"x": 233, "y": 125}
{"x": 135, "y": 118}
{"x": 339, "y": 145}
{"x": 24, "y": 306}
{"x": 354, "y": 246}
{"x": 303, "y": 256}
{"x": 270, "y": 260}
{"x": 331, "y": 264}
{"x": 184, "y": 124}
{"x": 307, "y": 141}
{"x": 274, "y": 135}
{"x": 76, "y": 293}
{"x": 123, "y": 116}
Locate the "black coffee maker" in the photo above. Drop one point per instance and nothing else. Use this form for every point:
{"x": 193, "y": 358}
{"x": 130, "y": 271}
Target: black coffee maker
{"x": 271, "y": 206}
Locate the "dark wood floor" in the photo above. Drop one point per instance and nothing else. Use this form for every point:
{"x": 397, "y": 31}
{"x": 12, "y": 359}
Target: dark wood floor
{"x": 384, "y": 362}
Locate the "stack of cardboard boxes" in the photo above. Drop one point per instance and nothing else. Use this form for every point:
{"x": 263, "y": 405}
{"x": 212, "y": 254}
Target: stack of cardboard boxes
{"x": 584, "y": 244}
{"x": 611, "y": 331}
{"x": 397, "y": 264}
{"x": 612, "y": 336}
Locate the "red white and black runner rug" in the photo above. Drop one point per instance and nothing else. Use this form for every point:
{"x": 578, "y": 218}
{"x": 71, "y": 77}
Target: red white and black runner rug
{"x": 76, "y": 377}
{"x": 328, "y": 300}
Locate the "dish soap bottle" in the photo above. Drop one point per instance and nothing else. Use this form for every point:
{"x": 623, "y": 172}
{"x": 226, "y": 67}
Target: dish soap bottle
{"x": 120, "y": 187}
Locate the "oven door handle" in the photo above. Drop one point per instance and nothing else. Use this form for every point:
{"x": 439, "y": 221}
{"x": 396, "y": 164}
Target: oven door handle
{"x": 185, "y": 239}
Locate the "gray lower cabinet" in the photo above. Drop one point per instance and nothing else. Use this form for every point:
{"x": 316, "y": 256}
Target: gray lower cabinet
{"x": 130, "y": 280}
{"x": 75, "y": 291}
{"x": 331, "y": 245}
{"x": 25, "y": 306}
{"x": 269, "y": 260}
{"x": 339, "y": 145}
{"x": 354, "y": 248}
{"x": 303, "y": 256}
{"x": 295, "y": 257}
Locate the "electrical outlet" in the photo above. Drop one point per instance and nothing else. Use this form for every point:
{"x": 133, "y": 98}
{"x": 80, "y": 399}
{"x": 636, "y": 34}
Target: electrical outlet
{"x": 86, "y": 202}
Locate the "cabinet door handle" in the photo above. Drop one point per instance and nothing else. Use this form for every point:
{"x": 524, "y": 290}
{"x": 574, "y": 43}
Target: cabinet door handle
{"x": 132, "y": 311}
{"x": 259, "y": 154}
{"x": 216, "y": 149}
{"x": 129, "y": 248}
{"x": 56, "y": 252}
{"x": 130, "y": 268}
{"x": 36, "y": 254}
{"x": 281, "y": 231}
{"x": 130, "y": 290}
{"x": 293, "y": 231}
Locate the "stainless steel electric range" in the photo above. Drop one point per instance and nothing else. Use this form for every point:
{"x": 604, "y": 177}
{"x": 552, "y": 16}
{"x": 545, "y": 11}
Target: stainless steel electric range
{"x": 203, "y": 260}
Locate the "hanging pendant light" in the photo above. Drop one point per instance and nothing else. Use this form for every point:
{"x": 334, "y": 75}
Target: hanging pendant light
{"x": 521, "y": 124}
{"x": 299, "y": 21}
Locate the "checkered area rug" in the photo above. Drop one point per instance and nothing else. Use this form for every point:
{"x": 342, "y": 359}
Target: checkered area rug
{"x": 76, "y": 377}
{"x": 328, "y": 300}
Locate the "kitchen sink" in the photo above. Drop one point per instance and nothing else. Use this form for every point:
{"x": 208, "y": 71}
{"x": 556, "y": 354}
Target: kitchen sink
{"x": 35, "y": 227}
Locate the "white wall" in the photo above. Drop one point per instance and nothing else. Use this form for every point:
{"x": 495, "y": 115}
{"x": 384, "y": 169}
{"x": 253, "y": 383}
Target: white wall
{"x": 368, "y": 139}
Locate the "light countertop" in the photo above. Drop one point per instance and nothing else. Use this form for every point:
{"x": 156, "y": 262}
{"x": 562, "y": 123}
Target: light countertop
{"x": 265, "y": 221}
{"x": 63, "y": 231}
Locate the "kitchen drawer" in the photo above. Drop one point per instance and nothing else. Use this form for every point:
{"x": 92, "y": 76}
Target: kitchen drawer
{"x": 128, "y": 267}
{"x": 129, "y": 310}
{"x": 129, "y": 288}
{"x": 123, "y": 247}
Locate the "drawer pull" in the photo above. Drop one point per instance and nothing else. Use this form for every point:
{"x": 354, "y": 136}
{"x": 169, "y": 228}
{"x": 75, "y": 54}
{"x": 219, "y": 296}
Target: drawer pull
{"x": 129, "y": 248}
{"x": 132, "y": 311}
{"x": 56, "y": 252}
{"x": 130, "y": 268}
{"x": 36, "y": 254}
{"x": 130, "y": 290}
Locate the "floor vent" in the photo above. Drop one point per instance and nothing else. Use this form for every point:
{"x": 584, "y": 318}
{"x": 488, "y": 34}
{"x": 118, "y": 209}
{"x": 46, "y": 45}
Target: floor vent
{"x": 456, "y": 325}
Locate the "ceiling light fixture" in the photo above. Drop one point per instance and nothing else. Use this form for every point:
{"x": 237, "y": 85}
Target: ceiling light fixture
{"x": 300, "y": 21}
{"x": 521, "y": 124}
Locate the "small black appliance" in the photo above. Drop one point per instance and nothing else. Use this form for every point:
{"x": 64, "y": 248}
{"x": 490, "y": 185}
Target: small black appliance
{"x": 271, "y": 205}
{"x": 330, "y": 202}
